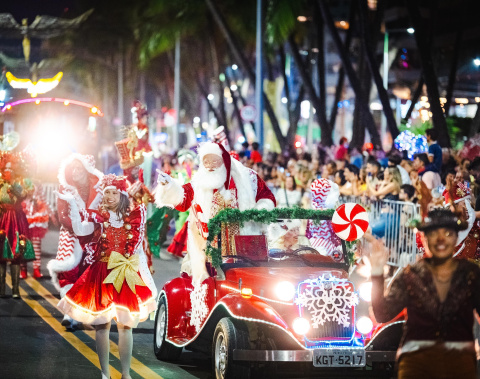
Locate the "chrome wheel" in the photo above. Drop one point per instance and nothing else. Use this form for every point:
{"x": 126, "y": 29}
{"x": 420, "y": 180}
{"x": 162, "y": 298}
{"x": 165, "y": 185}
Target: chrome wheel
{"x": 160, "y": 326}
{"x": 220, "y": 356}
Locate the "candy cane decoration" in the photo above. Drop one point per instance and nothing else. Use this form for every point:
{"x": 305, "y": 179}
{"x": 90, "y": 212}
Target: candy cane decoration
{"x": 350, "y": 221}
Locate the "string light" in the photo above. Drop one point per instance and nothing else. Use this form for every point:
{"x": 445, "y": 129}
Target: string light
{"x": 413, "y": 144}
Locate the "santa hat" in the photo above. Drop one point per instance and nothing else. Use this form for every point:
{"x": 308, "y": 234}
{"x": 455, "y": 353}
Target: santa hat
{"x": 325, "y": 193}
{"x": 460, "y": 191}
{"x": 217, "y": 149}
{"x": 112, "y": 181}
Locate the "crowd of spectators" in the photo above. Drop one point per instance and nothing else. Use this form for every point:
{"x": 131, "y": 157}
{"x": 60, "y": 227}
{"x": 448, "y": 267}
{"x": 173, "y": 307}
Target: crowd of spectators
{"x": 369, "y": 175}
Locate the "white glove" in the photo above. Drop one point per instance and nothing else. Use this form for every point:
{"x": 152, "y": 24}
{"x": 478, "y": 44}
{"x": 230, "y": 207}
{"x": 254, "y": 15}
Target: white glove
{"x": 163, "y": 178}
{"x": 67, "y": 196}
{"x": 79, "y": 228}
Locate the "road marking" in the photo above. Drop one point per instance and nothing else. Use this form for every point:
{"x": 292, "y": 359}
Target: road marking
{"x": 135, "y": 364}
{"x": 69, "y": 337}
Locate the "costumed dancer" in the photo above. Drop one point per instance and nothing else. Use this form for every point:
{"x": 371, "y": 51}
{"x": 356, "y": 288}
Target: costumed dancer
{"x": 130, "y": 160}
{"x": 117, "y": 283}
{"x": 457, "y": 197}
{"x": 220, "y": 182}
{"x": 79, "y": 177}
{"x": 468, "y": 240}
{"x": 15, "y": 246}
{"x": 142, "y": 127}
{"x": 324, "y": 195}
{"x": 37, "y": 210}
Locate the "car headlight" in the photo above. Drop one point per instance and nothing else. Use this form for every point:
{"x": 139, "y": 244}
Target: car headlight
{"x": 301, "y": 325}
{"x": 365, "y": 291}
{"x": 285, "y": 291}
{"x": 364, "y": 325}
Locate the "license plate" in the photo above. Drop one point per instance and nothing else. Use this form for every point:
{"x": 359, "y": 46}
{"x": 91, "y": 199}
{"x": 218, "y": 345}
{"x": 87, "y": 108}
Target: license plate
{"x": 339, "y": 357}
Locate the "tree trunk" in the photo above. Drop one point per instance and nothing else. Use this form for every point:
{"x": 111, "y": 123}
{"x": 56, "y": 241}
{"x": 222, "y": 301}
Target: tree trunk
{"x": 294, "y": 116}
{"x": 475, "y": 125}
{"x": 453, "y": 71}
{"x": 322, "y": 93}
{"x": 358, "y": 126}
{"x": 374, "y": 70}
{"x": 242, "y": 60}
{"x": 360, "y": 99}
{"x": 307, "y": 82}
{"x": 415, "y": 98}
{"x": 439, "y": 122}
{"x": 236, "y": 109}
{"x": 341, "y": 73}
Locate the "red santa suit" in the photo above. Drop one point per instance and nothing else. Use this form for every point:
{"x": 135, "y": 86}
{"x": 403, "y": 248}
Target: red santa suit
{"x": 67, "y": 267}
{"x": 229, "y": 186}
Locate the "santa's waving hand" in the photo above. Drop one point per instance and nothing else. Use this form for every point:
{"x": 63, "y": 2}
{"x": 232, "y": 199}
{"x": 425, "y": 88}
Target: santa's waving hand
{"x": 220, "y": 182}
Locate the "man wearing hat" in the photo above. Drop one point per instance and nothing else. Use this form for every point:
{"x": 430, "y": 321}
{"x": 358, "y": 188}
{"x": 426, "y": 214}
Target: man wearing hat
{"x": 220, "y": 182}
{"x": 440, "y": 294}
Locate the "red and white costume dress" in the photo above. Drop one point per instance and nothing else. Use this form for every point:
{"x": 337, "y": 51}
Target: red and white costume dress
{"x": 37, "y": 211}
{"x": 118, "y": 284}
{"x": 67, "y": 266}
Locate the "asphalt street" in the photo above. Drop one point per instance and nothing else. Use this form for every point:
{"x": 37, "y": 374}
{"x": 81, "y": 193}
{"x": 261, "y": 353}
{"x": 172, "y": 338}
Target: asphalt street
{"x": 33, "y": 343}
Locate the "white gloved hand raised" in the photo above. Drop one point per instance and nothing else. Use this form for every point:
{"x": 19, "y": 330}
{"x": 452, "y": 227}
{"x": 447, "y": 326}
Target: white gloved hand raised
{"x": 163, "y": 178}
{"x": 67, "y": 196}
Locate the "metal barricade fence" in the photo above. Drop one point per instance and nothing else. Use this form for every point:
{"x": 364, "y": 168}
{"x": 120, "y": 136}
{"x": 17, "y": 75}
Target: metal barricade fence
{"x": 392, "y": 216}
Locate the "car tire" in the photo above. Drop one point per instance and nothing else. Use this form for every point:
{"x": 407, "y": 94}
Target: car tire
{"x": 229, "y": 335}
{"x": 163, "y": 349}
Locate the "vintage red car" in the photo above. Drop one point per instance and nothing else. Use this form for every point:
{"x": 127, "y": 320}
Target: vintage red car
{"x": 282, "y": 294}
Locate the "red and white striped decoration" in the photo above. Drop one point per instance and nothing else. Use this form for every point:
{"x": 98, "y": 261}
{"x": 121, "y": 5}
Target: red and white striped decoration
{"x": 36, "y": 242}
{"x": 350, "y": 221}
{"x": 220, "y": 137}
{"x": 65, "y": 245}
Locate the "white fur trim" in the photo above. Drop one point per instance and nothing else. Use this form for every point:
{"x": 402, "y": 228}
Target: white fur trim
{"x": 265, "y": 204}
{"x": 115, "y": 188}
{"x": 243, "y": 182}
{"x": 209, "y": 148}
{"x": 69, "y": 188}
{"x": 55, "y": 266}
{"x": 64, "y": 290}
{"x": 169, "y": 195}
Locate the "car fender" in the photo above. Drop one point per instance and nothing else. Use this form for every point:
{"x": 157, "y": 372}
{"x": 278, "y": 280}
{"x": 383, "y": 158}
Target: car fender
{"x": 176, "y": 292}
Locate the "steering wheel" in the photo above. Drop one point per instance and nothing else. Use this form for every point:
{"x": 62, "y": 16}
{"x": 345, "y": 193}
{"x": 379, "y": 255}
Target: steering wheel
{"x": 241, "y": 257}
{"x": 304, "y": 248}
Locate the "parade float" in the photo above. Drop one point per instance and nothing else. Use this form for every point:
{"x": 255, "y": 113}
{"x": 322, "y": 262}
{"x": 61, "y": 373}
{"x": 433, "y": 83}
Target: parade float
{"x": 281, "y": 297}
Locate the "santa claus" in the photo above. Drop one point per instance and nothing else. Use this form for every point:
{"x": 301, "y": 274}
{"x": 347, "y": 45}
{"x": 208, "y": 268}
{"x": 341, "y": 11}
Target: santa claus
{"x": 220, "y": 182}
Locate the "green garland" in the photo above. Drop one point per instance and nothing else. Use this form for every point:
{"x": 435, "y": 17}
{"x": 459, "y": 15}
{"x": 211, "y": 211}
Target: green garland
{"x": 262, "y": 216}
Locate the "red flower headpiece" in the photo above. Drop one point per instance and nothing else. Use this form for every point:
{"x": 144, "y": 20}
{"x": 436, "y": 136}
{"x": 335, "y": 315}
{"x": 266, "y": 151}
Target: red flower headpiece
{"x": 111, "y": 181}
{"x": 460, "y": 191}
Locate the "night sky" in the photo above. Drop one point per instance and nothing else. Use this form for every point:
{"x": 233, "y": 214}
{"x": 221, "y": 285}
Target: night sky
{"x": 31, "y": 8}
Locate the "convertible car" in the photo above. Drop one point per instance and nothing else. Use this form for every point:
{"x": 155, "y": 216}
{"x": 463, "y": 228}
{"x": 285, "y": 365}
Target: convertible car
{"x": 279, "y": 294}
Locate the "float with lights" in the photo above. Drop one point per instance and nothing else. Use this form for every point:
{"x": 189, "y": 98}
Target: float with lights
{"x": 279, "y": 291}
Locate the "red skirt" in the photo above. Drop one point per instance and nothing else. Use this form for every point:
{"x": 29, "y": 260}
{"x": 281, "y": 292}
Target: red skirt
{"x": 13, "y": 221}
{"x": 93, "y": 302}
{"x": 179, "y": 244}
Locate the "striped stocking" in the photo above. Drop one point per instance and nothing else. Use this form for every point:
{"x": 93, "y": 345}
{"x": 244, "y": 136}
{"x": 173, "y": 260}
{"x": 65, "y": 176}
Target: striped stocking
{"x": 37, "y": 247}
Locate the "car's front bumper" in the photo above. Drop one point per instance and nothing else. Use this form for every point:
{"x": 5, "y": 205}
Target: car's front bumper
{"x": 301, "y": 356}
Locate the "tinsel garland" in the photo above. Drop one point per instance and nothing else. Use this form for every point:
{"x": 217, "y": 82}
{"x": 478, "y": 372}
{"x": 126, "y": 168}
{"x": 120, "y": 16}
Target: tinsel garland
{"x": 262, "y": 216}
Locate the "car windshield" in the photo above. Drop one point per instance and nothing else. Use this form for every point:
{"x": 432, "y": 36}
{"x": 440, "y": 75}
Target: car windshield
{"x": 294, "y": 240}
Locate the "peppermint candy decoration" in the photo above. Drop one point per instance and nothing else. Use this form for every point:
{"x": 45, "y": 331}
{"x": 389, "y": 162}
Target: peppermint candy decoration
{"x": 350, "y": 221}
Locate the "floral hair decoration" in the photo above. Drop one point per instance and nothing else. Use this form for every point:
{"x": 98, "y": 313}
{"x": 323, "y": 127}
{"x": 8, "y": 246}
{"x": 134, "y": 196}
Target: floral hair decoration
{"x": 112, "y": 181}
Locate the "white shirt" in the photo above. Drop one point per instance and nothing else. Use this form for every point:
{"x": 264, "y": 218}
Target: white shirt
{"x": 294, "y": 198}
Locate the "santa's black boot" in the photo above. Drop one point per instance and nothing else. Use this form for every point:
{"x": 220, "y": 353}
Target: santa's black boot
{"x": 15, "y": 273}
{"x": 3, "y": 274}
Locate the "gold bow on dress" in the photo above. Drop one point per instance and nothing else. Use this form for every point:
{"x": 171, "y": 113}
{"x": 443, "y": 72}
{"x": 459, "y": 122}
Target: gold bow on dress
{"x": 123, "y": 269}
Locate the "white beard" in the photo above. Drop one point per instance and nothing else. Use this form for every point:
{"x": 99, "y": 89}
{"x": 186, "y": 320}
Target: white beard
{"x": 204, "y": 182}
